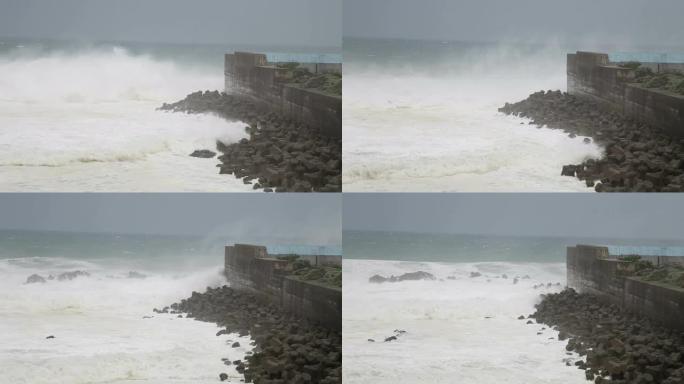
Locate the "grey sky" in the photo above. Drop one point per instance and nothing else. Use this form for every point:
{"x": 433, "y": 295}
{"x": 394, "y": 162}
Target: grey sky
{"x": 643, "y": 216}
{"x": 259, "y": 22}
{"x": 623, "y": 22}
{"x": 296, "y": 218}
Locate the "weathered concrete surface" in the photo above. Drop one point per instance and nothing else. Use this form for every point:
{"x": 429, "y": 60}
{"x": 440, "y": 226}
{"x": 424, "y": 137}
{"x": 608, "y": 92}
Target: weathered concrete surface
{"x": 251, "y": 267}
{"x": 590, "y": 269}
{"x": 252, "y": 74}
{"x": 591, "y": 75}
{"x": 305, "y": 298}
{"x": 321, "y": 260}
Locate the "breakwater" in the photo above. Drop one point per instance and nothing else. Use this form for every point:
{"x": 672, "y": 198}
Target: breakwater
{"x": 616, "y": 280}
{"x": 251, "y": 267}
{"x": 275, "y": 88}
{"x": 614, "y": 85}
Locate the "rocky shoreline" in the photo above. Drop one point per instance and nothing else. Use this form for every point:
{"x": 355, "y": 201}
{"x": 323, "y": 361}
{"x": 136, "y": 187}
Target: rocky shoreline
{"x": 281, "y": 155}
{"x": 618, "y": 347}
{"x": 287, "y": 349}
{"x": 638, "y": 157}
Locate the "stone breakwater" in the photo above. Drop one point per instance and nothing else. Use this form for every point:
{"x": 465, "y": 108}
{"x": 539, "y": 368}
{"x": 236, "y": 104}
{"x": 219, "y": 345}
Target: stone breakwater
{"x": 287, "y": 349}
{"x": 638, "y": 157}
{"x": 618, "y": 347}
{"x": 281, "y": 155}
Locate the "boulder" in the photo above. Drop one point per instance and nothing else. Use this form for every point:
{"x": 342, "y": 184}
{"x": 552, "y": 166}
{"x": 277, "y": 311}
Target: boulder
{"x": 203, "y": 153}
{"x": 35, "y": 278}
{"x": 71, "y": 275}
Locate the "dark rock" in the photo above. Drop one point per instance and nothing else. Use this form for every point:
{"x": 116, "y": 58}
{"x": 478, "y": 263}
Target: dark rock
{"x": 223, "y": 377}
{"x": 475, "y": 274}
{"x": 418, "y": 275}
{"x": 71, "y": 275}
{"x": 203, "y": 153}
{"x": 50, "y": 337}
{"x": 283, "y": 155}
{"x": 568, "y": 170}
{"x": 618, "y": 345}
{"x": 235, "y": 344}
{"x": 638, "y": 157}
{"x": 294, "y": 345}
{"x": 35, "y": 279}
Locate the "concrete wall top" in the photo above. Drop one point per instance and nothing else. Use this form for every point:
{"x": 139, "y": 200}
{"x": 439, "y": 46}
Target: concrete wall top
{"x": 591, "y": 58}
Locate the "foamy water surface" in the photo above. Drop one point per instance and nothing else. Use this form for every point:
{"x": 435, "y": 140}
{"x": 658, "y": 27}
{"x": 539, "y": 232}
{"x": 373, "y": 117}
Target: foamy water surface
{"x": 85, "y": 120}
{"x": 461, "y": 329}
{"x": 415, "y": 122}
{"x": 101, "y": 335}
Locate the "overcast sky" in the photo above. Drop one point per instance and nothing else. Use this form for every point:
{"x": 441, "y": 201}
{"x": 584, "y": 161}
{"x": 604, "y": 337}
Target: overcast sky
{"x": 259, "y": 22}
{"x": 642, "y": 216}
{"x": 625, "y": 22}
{"x": 296, "y": 218}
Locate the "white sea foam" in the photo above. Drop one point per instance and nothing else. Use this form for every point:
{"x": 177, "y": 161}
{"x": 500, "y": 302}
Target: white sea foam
{"x": 434, "y": 126}
{"x": 448, "y": 336}
{"x": 100, "y": 333}
{"x": 86, "y": 121}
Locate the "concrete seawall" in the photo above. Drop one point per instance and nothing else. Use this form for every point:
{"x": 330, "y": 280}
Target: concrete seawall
{"x": 251, "y": 267}
{"x": 591, "y": 269}
{"x": 592, "y": 75}
{"x": 252, "y": 74}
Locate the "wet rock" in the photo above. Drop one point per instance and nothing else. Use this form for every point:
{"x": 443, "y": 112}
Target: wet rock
{"x": 235, "y": 345}
{"x": 203, "y": 153}
{"x": 50, "y": 337}
{"x": 283, "y": 155}
{"x": 71, "y": 275}
{"x": 568, "y": 170}
{"x": 295, "y": 346}
{"x": 35, "y": 278}
{"x": 223, "y": 377}
{"x": 475, "y": 274}
{"x": 618, "y": 346}
{"x": 638, "y": 157}
{"x": 418, "y": 275}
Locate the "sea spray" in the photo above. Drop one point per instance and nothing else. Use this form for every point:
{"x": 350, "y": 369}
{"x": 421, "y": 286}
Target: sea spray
{"x": 85, "y": 120}
{"x": 422, "y": 116}
{"x": 457, "y": 327}
{"x": 103, "y": 326}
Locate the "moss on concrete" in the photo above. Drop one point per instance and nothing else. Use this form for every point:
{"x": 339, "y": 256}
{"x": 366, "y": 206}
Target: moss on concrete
{"x": 670, "y": 81}
{"x": 330, "y": 83}
{"x": 669, "y": 274}
{"x": 330, "y": 275}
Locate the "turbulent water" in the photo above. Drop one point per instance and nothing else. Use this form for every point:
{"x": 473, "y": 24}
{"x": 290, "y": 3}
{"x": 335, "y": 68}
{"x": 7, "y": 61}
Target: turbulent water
{"x": 101, "y": 335}
{"x": 458, "y": 328}
{"x": 81, "y": 117}
{"x": 422, "y": 116}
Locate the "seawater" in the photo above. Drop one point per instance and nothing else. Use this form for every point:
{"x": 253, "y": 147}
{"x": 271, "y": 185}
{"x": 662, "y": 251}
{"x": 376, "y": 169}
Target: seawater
{"x": 422, "y": 116}
{"x": 78, "y": 116}
{"x": 99, "y": 322}
{"x": 458, "y": 328}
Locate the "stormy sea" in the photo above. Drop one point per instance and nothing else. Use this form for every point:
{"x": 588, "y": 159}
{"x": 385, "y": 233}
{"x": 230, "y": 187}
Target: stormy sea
{"x": 81, "y": 116}
{"x": 422, "y": 116}
{"x": 463, "y": 325}
{"x": 90, "y": 316}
